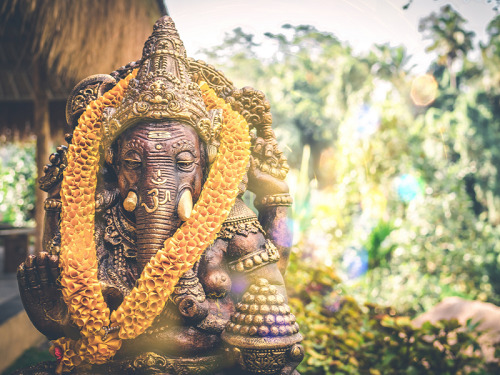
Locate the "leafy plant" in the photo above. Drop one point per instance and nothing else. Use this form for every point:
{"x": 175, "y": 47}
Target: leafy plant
{"x": 17, "y": 184}
{"x": 379, "y": 255}
{"x": 343, "y": 337}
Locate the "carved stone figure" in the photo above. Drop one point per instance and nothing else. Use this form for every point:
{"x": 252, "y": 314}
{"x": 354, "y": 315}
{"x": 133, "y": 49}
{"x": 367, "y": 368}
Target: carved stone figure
{"x": 153, "y": 264}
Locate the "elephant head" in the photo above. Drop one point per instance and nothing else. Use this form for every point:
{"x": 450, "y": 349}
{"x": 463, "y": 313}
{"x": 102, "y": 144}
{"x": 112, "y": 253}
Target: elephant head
{"x": 159, "y": 168}
{"x": 156, "y": 138}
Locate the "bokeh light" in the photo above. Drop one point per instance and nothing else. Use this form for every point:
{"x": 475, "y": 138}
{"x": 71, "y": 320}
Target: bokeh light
{"x": 408, "y": 187}
{"x": 374, "y": 202}
{"x": 327, "y": 164}
{"x": 424, "y": 89}
{"x": 368, "y": 121}
{"x": 355, "y": 262}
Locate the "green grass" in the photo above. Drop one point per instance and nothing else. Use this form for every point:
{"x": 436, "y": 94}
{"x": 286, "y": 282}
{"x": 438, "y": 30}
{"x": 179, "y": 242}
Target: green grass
{"x": 30, "y": 357}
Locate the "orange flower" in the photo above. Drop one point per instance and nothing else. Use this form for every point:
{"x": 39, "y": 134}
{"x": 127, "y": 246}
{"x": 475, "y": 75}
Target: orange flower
{"x": 81, "y": 288}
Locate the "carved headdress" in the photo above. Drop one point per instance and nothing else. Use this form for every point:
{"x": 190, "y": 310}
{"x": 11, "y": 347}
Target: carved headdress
{"x": 161, "y": 90}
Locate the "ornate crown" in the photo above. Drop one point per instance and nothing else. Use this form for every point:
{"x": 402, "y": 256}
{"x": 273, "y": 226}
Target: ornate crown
{"x": 161, "y": 90}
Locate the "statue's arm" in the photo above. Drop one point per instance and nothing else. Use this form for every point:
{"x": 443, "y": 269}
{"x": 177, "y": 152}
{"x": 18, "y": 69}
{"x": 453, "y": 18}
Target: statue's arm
{"x": 266, "y": 179}
{"x": 275, "y": 222}
{"x": 50, "y": 182}
{"x": 42, "y": 298}
{"x": 38, "y": 276}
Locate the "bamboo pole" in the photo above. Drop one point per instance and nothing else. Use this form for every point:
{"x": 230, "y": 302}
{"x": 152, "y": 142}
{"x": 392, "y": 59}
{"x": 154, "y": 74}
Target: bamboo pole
{"x": 42, "y": 130}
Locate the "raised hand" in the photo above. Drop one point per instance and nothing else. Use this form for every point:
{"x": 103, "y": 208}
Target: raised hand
{"x": 268, "y": 168}
{"x": 41, "y": 295}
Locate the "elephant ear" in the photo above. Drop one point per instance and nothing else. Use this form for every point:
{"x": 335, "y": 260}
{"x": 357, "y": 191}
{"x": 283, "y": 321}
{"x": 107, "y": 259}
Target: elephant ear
{"x": 91, "y": 88}
{"x": 83, "y": 93}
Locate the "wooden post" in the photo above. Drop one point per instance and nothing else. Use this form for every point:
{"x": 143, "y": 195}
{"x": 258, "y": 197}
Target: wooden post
{"x": 42, "y": 130}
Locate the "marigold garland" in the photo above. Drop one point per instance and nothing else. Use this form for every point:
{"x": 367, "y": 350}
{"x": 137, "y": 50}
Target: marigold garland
{"x": 81, "y": 288}
{"x": 185, "y": 247}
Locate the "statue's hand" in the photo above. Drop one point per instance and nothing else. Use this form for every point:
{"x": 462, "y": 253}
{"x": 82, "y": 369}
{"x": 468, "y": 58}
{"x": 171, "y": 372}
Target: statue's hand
{"x": 41, "y": 295}
{"x": 193, "y": 310}
{"x": 268, "y": 168}
{"x": 53, "y": 172}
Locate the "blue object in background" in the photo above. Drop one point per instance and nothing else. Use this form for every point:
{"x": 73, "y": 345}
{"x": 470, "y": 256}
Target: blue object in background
{"x": 408, "y": 187}
{"x": 368, "y": 121}
{"x": 355, "y": 261}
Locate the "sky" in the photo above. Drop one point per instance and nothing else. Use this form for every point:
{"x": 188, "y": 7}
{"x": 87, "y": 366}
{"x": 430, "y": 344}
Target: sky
{"x": 362, "y": 23}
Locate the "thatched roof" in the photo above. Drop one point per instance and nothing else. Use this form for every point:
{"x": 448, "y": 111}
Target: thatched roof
{"x": 78, "y": 38}
{"x": 75, "y": 39}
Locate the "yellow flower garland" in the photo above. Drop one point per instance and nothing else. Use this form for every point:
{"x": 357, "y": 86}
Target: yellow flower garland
{"x": 81, "y": 288}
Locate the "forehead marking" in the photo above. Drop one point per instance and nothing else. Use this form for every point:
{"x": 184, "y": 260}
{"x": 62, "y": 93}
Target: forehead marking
{"x": 159, "y": 134}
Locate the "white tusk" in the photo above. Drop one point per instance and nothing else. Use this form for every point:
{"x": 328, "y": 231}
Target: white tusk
{"x": 185, "y": 205}
{"x": 130, "y": 202}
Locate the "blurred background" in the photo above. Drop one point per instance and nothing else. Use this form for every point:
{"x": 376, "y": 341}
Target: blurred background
{"x": 389, "y": 114}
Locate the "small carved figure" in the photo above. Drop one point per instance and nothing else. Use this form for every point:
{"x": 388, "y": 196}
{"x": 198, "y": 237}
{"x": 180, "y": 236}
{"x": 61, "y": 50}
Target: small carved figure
{"x": 153, "y": 264}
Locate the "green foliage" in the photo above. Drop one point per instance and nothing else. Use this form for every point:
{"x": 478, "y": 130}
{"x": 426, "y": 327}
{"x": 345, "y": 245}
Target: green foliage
{"x": 378, "y": 255}
{"x": 17, "y": 184}
{"x": 446, "y": 30}
{"x": 343, "y": 337}
{"x": 30, "y": 357}
{"x": 436, "y": 245}
{"x": 364, "y": 137}
{"x": 311, "y": 80}
{"x": 448, "y": 37}
{"x": 444, "y": 241}
{"x": 495, "y": 3}
{"x": 490, "y": 52}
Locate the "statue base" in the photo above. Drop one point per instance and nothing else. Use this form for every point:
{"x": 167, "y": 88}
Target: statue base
{"x": 146, "y": 364}
{"x": 150, "y": 364}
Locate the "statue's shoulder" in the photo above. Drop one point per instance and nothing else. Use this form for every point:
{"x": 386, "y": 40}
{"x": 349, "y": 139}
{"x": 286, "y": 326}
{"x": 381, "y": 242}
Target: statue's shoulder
{"x": 240, "y": 221}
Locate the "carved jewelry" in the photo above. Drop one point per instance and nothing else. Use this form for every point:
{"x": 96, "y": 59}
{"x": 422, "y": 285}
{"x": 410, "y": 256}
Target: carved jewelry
{"x": 257, "y": 259}
{"x": 52, "y": 204}
{"x": 274, "y": 200}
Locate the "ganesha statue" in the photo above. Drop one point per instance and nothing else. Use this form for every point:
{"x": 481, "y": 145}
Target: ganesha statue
{"x": 152, "y": 262}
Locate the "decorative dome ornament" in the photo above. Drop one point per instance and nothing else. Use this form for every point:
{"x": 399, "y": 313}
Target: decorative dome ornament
{"x": 263, "y": 324}
{"x": 161, "y": 90}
